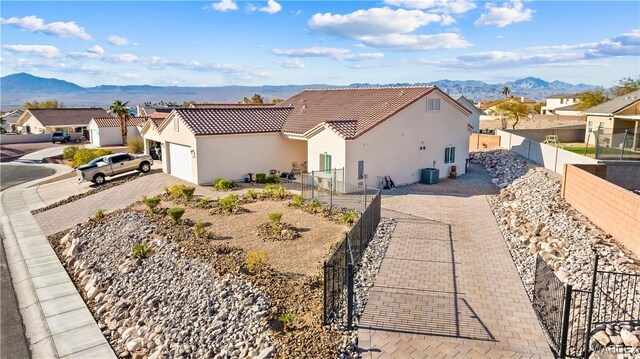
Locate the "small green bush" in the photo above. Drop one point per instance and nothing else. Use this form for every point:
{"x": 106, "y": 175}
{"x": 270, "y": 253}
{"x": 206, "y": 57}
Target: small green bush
{"x": 297, "y": 202}
{"x": 99, "y": 213}
{"x": 82, "y": 156}
{"x": 199, "y": 229}
{"x": 141, "y": 250}
{"x": 202, "y": 201}
{"x": 256, "y": 261}
{"x": 275, "y": 217}
{"x": 176, "y": 190}
{"x": 349, "y": 217}
{"x": 229, "y": 202}
{"x": 251, "y": 194}
{"x": 261, "y": 178}
{"x": 135, "y": 145}
{"x": 176, "y": 213}
{"x": 314, "y": 206}
{"x": 223, "y": 184}
{"x": 274, "y": 191}
{"x": 272, "y": 179}
{"x": 151, "y": 202}
{"x": 287, "y": 318}
{"x": 187, "y": 192}
{"x": 69, "y": 152}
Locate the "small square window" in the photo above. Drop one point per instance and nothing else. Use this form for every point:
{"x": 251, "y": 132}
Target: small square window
{"x": 433, "y": 104}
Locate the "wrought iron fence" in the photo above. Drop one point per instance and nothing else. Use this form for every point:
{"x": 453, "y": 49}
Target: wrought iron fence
{"x": 330, "y": 188}
{"x": 339, "y": 268}
{"x": 618, "y": 144}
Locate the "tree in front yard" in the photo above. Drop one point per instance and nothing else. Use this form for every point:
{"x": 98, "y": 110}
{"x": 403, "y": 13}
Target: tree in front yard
{"x": 119, "y": 109}
{"x": 513, "y": 109}
{"x": 591, "y": 98}
{"x": 625, "y": 86}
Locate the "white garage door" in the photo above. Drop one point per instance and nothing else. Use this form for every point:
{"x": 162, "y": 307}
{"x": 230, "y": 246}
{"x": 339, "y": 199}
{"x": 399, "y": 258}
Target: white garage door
{"x": 95, "y": 137}
{"x": 180, "y": 161}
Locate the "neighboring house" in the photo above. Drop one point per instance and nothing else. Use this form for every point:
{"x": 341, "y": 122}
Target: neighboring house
{"x": 105, "y": 131}
{"x": 142, "y": 111}
{"x": 369, "y": 132}
{"x": 474, "y": 118}
{"x": 59, "y": 119}
{"x": 230, "y": 105}
{"x": 151, "y": 134}
{"x": 561, "y": 105}
{"x": 609, "y": 121}
{"x": 10, "y": 120}
{"x": 490, "y": 109}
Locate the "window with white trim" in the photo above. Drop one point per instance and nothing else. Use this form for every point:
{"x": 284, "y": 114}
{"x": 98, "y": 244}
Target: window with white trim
{"x": 325, "y": 162}
{"x": 176, "y": 124}
{"x": 433, "y": 104}
{"x": 450, "y": 155}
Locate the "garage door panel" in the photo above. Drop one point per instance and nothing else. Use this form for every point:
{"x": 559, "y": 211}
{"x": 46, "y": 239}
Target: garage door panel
{"x": 180, "y": 162}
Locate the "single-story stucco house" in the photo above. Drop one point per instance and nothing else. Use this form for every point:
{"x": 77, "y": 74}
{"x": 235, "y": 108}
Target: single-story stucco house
{"x": 368, "y": 132}
{"x": 105, "y": 131}
{"x": 71, "y": 120}
{"x": 608, "y": 121}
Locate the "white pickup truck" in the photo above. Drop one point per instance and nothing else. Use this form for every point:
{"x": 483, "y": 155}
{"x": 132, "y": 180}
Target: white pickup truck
{"x": 98, "y": 169}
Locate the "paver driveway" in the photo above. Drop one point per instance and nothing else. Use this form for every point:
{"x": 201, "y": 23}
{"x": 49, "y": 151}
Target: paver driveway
{"x": 448, "y": 287}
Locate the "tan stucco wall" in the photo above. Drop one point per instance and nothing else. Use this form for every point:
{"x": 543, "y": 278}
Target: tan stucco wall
{"x": 607, "y": 125}
{"x": 326, "y": 142}
{"x": 631, "y": 110}
{"x": 35, "y": 126}
{"x": 233, "y": 156}
{"x": 392, "y": 148}
{"x": 110, "y": 136}
{"x": 182, "y": 137}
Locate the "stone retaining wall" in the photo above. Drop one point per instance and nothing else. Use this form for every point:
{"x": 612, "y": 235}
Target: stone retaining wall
{"x": 611, "y": 207}
{"x": 481, "y": 141}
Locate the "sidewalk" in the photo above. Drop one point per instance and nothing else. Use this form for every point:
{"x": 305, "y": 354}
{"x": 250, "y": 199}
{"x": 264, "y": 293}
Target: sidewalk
{"x": 57, "y": 322}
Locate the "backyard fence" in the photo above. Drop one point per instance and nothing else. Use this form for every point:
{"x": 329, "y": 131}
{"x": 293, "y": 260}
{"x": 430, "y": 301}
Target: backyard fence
{"x": 569, "y": 316}
{"x": 615, "y": 144}
{"x": 339, "y": 270}
{"x": 330, "y": 188}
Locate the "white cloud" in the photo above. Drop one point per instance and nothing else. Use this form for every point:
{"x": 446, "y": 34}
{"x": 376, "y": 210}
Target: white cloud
{"x": 416, "y": 42}
{"x": 298, "y": 12}
{"x": 47, "y": 51}
{"x": 272, "y": 7}
{"x": 224, "y": 5}
{"x": 444, "y": 6}
{"x": 331, "y": 52}
{"x": 626, "y": 44}
{"x": 375, "y": 21}
{"x": 119, "y": 40}
{"x": 59, "y": 29}
{"x": 291, "y": 64}
{"x": 510, "y": 13}
{"x": 97, "y": 49}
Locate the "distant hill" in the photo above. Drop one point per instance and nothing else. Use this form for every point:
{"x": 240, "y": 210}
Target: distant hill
{"x": 21, "y": 87}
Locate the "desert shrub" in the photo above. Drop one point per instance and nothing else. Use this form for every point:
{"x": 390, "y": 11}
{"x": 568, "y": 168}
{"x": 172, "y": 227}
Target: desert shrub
{"x": 176, "y": 213}
{"x": 274, "y": 191}
{"x": 251, "y": 194}
{"x": 187, "y": 192}
{"x": 176, "y": 190}
{"x": 202, "y": 201}
{"x": 99, "y": 213}
{"x": 275, "y": 218}
{"x": 314, "y": 206}
{"x": 223, "y": 184}
{"x": 199, "y": 229}
{"x": 141, "y": 250}
{"x": 228, "y": 203}
{"x": 272, "y": 179}
{"x": 69, "y": 152}
{"x": 349, "y": 217}
{"x": 257, "y": 261}
{"x": 297, "y": 202}
{"x": 135, "y": 145}
{"x": 151, "y": 202}
{"x": 82, "y": 156}
{"x": 261, "y": 177}
{"x": 166, "y": 190}
{"x": 287, "y": 318}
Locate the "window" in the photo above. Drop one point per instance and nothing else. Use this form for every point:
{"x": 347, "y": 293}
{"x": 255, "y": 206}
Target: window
{"x": 450, "y": 155}
{"x": 175, "y": 124}
{"x": 325, "y": 162}
{"x": 119, "y": 158}
{"x": 601, "y": 126}
{"x": 589, "y": 126}
{"x": 360, "y": 170}
{"x": 433, "y": 104}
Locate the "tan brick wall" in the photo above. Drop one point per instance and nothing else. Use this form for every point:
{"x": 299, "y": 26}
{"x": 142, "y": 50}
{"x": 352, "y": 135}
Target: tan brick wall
{"x": 612, "y": 208}
{"x": 481, "y": 141}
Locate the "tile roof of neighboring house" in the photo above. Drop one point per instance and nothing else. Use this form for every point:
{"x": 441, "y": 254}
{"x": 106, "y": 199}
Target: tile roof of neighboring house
{"x": 366, "y": 107}
{"x": 67, "y": 116}
{"x": 12, "y": 117}
{"x": 115, "y": 122}
{"x": 571, "y": 107}
{"x": 615, "y": 105}
{"x": 157, "y": 121}
{"x": 564, "y": 95}
{"x": 159, "y": 115}
{"x": 230, "y": 105}
{"x": 227, "y": 121}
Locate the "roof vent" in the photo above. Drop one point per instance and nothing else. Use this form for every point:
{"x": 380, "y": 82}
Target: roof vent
{"x": 385, "y": 104}
{"x": 401, "y": 92}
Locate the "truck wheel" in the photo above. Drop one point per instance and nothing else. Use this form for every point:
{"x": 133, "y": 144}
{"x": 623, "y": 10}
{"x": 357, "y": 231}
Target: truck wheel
{"x": 98, "y": 179}
{"x": 145, "y": 167}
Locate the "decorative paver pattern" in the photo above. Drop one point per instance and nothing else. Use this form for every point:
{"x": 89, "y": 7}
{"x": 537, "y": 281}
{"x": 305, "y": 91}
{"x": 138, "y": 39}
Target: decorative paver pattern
{"x": 447, "y": 287}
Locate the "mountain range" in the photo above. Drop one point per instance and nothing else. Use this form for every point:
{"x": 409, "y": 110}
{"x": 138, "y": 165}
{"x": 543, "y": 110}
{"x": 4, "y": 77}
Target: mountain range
{"x": 21, "y": 87}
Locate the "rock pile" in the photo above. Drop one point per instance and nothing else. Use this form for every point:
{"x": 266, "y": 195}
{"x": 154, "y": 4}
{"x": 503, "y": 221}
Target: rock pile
{"x": 504, "y": 166}
{"x": 165, "y": 305}
{"x": 616, "y": 336}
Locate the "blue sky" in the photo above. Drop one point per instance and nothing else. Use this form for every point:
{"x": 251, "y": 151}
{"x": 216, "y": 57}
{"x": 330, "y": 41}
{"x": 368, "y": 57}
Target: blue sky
{"x": 330, "y": 42}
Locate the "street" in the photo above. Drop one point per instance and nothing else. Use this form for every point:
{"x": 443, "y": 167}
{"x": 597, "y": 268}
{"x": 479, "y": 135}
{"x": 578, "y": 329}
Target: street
{"x": 14, "y": 174}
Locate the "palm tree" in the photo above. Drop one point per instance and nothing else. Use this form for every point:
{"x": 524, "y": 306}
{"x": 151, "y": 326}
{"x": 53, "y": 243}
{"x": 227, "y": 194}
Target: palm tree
{"x": 120, "y": 109}
{"x": 506, "y": 91}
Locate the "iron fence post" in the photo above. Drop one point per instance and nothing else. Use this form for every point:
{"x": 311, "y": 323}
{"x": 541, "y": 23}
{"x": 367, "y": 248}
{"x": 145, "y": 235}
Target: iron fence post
{"x": 564, "y": 331}
{"x": 624, "y": 142}
{"x": 324, "y": 294}
{"x": 590, "y": 308}
{"x": 349, "y": 296}
{"x": 302, "y": 185}
{"x": 313, "y": 183}
{"x": 365, "y": 194}
{"x": 331, "y": 194}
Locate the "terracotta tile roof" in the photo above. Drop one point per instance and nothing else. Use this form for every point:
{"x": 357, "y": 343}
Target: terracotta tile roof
{"x": 115, "y": 122}
{"x": 230, "y": 105}
{"x": 362, "y": 108}
{"x": 157, "y": 121}
{"x": 67, "y": 116}
{"x": 226, "y": 121}
{"x": 159, "y": 115}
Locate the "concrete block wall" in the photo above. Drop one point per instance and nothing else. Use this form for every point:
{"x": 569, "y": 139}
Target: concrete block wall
{"x": 612, "y": 208}
{"x": 481, "y": 141}
{"x": 624, "y": 174}
{"x": 568, "y": 134}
